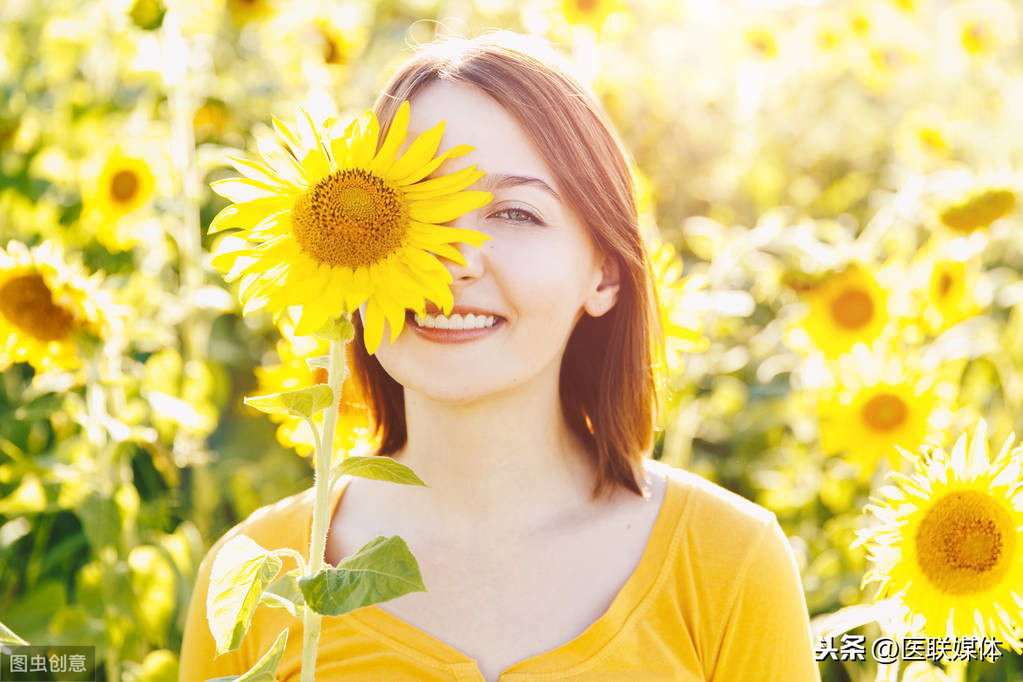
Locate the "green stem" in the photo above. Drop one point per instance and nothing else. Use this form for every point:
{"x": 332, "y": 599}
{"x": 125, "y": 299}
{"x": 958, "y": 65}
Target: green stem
{"x": 311, "y": 620}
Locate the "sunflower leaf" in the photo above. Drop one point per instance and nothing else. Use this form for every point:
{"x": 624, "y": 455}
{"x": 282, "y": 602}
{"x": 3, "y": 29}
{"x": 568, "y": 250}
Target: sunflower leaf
{"x": 304, "y": 402}
{"x": 318, "y": 362}
{"x": 7, "y": 636}
{"x": 241, "y": 571}
{"x": 378, "y": 468}
{"x": 383, "y": 569}
{"x": 336, "y": 329}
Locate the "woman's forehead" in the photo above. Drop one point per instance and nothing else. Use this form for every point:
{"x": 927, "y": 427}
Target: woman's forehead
{"x": 474, "y": 118}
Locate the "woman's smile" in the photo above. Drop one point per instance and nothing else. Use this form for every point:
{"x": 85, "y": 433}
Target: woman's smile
{"x": 459, "y": 327}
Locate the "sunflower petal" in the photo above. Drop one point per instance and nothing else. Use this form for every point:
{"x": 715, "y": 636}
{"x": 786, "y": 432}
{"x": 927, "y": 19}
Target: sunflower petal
{"x": 443, "y": 233}
{"x": 419, "y": 153}
{"x": 315, "y": 166}
{"x": 241, "y": 190}
{"x": 373, "y": 332}
{"x": 246, "y": 213}
{"x": 281, "y": 160}
{"x": 289, "y": 137}
{"x": 433, "y": 165}
{"x": 256, "y": 171}
{"x": 392, "y": 143}
{"x": 446, "y": 210}
{"x": 446, "y": 184}
{"x": 366, "y": 146}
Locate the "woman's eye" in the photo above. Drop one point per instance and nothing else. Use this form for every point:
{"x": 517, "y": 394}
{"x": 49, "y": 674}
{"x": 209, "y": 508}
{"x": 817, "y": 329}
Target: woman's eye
{"x": 519, "y": 215}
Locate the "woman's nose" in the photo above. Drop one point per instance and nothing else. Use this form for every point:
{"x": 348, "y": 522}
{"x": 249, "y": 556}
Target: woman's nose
{"x": 473, "y": 267}
{"x": 473, "y": 256}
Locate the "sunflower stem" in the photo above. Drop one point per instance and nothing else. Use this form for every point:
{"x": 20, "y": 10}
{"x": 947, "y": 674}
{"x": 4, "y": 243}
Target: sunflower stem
{"x": 324, "y": 450}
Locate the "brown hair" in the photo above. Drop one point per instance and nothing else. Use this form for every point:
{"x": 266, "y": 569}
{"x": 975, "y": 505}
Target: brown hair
{"x": 607, "y": 382}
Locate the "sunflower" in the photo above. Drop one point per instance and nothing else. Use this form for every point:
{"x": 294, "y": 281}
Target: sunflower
{"x": 43, "y": 303}
{"x": 985, "y": 26}
{"x": 681, "y": 328}
{"x": 761, "y": 41}
{"x": 878, "y": 402}
{"x": 845, "y": 308}
{"x": 125, "y": 184}
{"x": 590, "y": 13}
{"x": 332, "y": 222}
{"x": 948, "y": 546}
{"x": 924, "y": 136}
{"x": 353, "y": 423}
{"x": 978, "y": 209}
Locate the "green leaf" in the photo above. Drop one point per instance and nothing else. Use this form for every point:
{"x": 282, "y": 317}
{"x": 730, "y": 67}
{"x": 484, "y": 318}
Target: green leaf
{"x": 241, "y": 571}
{"x": 303, "y": 402}
{"x": 378, "y": 468}
{"x": 264, "y": 669}
{"x": 339, "y": 329}
{"x": 382, "y": 570}
{"x": 7, "y": 636}
{"x": 287, "y": 587}
{"x": 318, "y": 362}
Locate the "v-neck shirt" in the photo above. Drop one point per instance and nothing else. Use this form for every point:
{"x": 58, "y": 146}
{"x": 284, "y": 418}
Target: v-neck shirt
{"x": 715, "y": 596}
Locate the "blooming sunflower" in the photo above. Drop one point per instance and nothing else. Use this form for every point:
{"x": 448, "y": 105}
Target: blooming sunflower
{"x": 353, "y": 422}
{"x": 948, "y": 546}
{"x": 591, "y": 13}
{"x": 845, "y": 308}
{"x": 979, "y": 209}
{"x": 879, "y": 402}
{"x": 332, "y": 222}
{"x": 681, "y": 328}
{"x": 43, "y": 302}
{"x": 125, "y": 184}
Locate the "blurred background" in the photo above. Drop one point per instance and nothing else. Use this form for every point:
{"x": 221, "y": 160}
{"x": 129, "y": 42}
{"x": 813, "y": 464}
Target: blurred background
{"x": 829, "y": 191}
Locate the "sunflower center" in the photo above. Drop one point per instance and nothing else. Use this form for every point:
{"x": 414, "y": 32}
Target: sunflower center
{"x": 852, "y": 308}
{"x": 124, "y": 185}
{"x": 27, "y": 303}
{"x": 944, "y": 284}
{"x": 965, "y": 542}
{"x": 586, "y": 5}
{"x": 351, "y": 218}
{"x": 884, "y": 411}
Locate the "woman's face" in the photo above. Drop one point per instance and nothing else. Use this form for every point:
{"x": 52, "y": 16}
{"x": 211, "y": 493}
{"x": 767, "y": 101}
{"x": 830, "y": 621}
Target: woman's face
{"x": 537, "y": 275}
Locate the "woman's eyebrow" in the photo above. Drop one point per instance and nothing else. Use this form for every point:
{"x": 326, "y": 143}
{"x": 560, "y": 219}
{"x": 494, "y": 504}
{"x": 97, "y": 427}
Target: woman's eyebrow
{"x": 492, "y": 181}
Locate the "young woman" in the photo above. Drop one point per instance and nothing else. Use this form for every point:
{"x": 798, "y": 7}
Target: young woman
{"x": 551, "y": 545}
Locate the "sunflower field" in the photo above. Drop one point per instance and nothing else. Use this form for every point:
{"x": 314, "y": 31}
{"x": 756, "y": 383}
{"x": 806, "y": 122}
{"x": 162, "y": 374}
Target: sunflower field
{"x": 830, "y": 196}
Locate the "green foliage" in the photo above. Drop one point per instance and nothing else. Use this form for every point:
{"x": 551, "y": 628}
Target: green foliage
{"x": 302, "y": 402}
{"x": 376, "y": 468}
{"x": 381, "y": 570}
{"x": 241, "y": 571}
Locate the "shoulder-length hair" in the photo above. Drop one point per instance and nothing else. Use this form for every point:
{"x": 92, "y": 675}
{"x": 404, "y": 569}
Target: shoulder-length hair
{"x": 607, "y": 378}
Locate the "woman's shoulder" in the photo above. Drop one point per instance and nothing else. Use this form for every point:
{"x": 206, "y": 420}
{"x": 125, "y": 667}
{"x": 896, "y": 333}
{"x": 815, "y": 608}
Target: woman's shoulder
{"x": 284, "y": 523}
{"x": 718, "y": 531}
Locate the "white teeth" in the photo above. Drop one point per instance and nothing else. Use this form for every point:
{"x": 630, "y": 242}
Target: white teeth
{"x": 456, "y": 321}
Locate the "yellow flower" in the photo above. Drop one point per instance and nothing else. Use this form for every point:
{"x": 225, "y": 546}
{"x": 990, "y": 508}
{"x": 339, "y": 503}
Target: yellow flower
{"x": 591, "y": 13}
{"x": 923, "y": 136}
{"x": 847, "y": 307}
{"x": 124, "y": 185}
{"x": 978, "y": 210}
{"x": 353, "y": 429}
{"x": 948, "y": 546}
{"x": 332, "y": 223}
{"x": 244, "y": 11}
{"x": 984, "y": 26}
{"x": 761, "y": 40}
{"x": 681, "y": 327}
{"x": 879, "y": 402}
{"x": 43, "y": 303}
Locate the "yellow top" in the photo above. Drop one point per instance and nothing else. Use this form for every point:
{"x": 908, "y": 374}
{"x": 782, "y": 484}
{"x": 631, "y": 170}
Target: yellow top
{"x": 716, "y": 596}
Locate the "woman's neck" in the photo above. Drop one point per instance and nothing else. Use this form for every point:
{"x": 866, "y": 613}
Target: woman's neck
{"x": 505, "y": 463}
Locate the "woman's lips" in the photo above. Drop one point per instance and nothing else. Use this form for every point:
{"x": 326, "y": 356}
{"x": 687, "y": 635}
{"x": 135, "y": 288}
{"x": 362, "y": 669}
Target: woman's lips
{"x": 450, "y": 335}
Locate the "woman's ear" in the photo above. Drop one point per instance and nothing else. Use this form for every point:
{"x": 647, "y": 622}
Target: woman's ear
{"x": 604, "y": 296}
